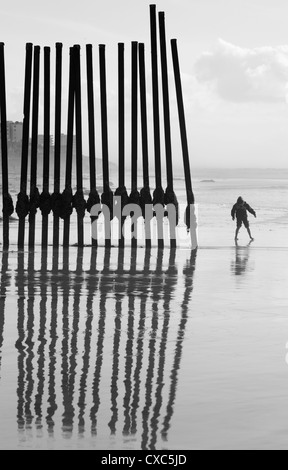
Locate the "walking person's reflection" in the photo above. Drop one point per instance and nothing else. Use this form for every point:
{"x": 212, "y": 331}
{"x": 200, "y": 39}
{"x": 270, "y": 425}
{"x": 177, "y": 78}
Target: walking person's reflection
{"x": 239, "y": 265}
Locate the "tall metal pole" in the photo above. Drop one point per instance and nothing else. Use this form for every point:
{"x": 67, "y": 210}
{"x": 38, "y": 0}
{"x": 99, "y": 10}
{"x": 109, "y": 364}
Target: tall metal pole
{"x": 155, "y": 95}
{"x": 121, "y": 191}
{"x": 22, "y": 205}
{"x": 121, "y": 114}
{"x": 45, "y": 203}
{"x": 134, "y": 115}
{"x": 158, "y": 195}
{"x": 166, "y": 107}
{"x": 107, "y": 195}
{"x": 67, "y": 193}
{"x": 134, "y": 196}
{"x": 183, "y": 132}
{"x": 93, "y": 196}
{"x": 7, "y": 200}
{"x": 57, "y": 143}
{"x": 78, "y": 200}
{"x": 170, "y": 196}
{"x": 34, "y": 193}
{"x": 145, "y": 195}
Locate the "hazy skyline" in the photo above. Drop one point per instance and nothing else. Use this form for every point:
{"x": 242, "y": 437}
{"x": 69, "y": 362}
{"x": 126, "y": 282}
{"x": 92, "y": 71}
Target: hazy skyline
{"x": 233, "y": 59}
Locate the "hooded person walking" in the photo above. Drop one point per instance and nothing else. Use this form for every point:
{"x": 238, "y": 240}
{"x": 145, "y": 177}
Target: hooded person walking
{"x": 239, "y": 210}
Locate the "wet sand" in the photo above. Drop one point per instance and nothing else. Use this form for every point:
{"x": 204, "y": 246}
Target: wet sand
{"x": 159, "y": 349}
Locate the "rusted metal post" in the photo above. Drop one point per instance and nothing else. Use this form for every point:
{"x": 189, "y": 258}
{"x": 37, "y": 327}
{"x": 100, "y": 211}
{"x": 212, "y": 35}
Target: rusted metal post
{"x": 22, "y": 205}
{"x": 7, "y": 200}
{"x": 34, "y": 193}
{"x": 93, "y": 196}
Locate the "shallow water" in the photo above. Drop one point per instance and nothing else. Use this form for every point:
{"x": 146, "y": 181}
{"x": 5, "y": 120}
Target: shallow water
{"x": 124, "y": 349}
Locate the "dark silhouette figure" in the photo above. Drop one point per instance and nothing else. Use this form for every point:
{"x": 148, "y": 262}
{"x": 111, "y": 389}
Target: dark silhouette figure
{"x": 239, "y": 210}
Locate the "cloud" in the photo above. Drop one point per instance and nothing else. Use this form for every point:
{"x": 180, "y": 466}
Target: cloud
{"x": 245, "y": 75}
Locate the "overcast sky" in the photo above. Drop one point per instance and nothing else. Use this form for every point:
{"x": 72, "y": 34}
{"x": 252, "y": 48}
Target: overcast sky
{"x": 233, "y": 59}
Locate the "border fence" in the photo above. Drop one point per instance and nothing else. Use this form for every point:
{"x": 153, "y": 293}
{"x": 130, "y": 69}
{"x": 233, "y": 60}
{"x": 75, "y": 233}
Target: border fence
{"x": 61, "y": 202}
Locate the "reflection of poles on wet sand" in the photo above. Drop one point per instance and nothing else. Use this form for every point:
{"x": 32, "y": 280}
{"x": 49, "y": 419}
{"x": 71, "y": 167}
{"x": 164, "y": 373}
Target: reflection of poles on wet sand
{"x": 120, "y": 292}
{"x": 143, "y": 374}
{"x": 66, "y": 400}
{"x": 92, "y": 286}
{"x": 30, "y": 342}
{"x": 5, "y": 282}
{"x": 170, "y": 280}
{"x": 41, "y": 339}
{"x": 52, "y": 403}
{"x": 188, "y": 273}
{"x": 129, "y": 343}
{"x": 103, "y": 288}
{"x": 25, "y": 342}
{"x": 156, "y": 290}
{"x": 72, "y": 350}
{"x": 145, "y": 292}
{"x": 19, "y": 281}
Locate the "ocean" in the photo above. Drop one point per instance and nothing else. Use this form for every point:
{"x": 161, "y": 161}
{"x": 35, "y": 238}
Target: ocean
{"x": 215, "y": 190}
{"x": 152, "y": 349}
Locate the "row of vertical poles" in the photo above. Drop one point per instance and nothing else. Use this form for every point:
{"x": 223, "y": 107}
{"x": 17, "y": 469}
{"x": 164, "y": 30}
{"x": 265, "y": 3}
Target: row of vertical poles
{"x": 62, "y": 204}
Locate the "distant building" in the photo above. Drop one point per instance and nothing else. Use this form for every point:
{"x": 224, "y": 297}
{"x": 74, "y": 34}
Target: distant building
{"x": 14, "y": 132}
{"x": 63, "y": 141}
{"x": 41, "y": 140}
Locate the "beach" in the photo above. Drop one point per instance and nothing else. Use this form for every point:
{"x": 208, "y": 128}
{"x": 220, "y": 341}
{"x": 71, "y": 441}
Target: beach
{"x": 152, "y": 349}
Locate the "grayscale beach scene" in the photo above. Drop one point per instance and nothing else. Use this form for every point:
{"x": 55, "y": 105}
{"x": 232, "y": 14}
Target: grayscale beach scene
{"x": 122, "y": 333}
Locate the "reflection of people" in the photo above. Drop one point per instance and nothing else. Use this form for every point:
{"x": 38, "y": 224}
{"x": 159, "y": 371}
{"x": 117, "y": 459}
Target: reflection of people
{"x": 239, "y": 266}
{"x": 239, "y": 210}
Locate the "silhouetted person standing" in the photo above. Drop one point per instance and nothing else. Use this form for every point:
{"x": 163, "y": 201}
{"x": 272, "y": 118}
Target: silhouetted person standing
{"x": 240, "y": 211}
